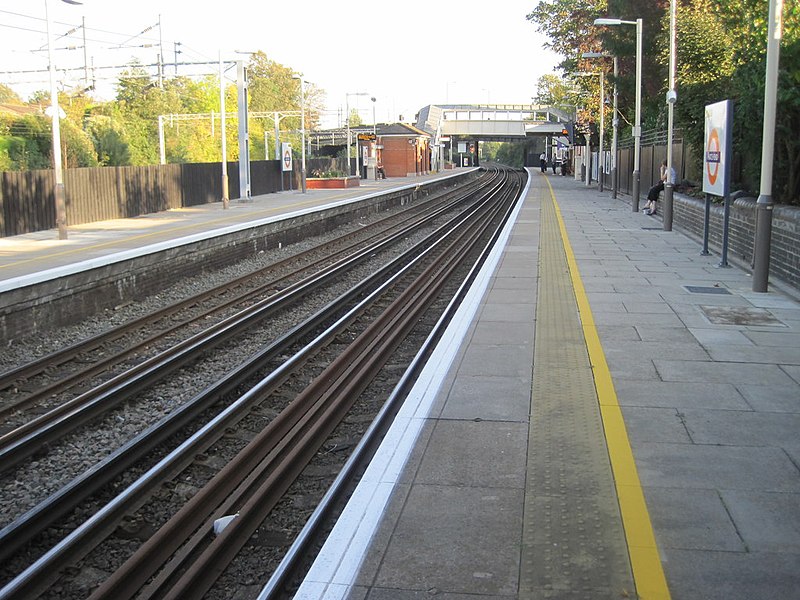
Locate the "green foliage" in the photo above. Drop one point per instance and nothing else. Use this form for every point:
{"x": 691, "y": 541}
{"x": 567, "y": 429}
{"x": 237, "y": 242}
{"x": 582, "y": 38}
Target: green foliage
{"x": 721, "y": 52}
{"x": 109, "y": 141}
{"x": 333, "y": 173}
{"x": 125, "y": 131}
{"x": 568, "y": 24}
{"x": 511, "y": 154}
{"x": 355, "y": 118}
{"x": 20, "y": 154}
{"x": 77, "y": 149}
{"x": 7, "y": 95}
{"x": 27, "y": 142}
{"x": 552, "y": 90}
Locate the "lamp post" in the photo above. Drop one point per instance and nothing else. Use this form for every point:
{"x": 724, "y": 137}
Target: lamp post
{"x": 302, "y": 132}
{"x": 614, "y": 121}
{"x": 58, "y": 191}
{"x": 764, "y": 205}
{"x": 637, "y": 127}
{"x": 222, "y": 123}
{"x": 672, "y": 97}
{"x": 347, "y": 117}
{"x": 375, "y": 140}
{"x": 601, "y": 75}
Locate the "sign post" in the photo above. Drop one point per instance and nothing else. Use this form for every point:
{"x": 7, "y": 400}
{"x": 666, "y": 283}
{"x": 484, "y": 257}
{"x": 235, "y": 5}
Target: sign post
{"x": 717, "y": 159}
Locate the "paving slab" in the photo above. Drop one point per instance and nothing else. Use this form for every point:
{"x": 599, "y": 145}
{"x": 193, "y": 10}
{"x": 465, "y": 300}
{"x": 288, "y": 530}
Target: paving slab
{"x": 693, "y": 519}
{"x": 767, "y": 522}
{"x": 489, "y": 398}
{"x": 437, "y": 524}
{"x": 713, "y": 575}
{"x": 697, "y": 466}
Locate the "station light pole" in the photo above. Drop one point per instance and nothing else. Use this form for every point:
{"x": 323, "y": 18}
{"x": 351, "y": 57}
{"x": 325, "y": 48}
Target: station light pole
{"x": 764, "y": 205}
{"x": 637, "y": 128}
{"x": 614, "y": 122}
{"x": 222, "y": 123}
{"x": 302, "y": 132}
{"x": 347, "y": 117}
{"x": 58, "y": 191}
{"x": 602, "y": 77}
{"x": 672, "y": 98}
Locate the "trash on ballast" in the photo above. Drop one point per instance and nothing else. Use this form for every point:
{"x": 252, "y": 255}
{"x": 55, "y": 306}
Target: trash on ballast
{"x": 223, "y": 522}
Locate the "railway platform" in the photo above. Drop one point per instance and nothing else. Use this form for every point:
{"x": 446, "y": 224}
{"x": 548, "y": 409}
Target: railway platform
{"x": 610, "y": 415}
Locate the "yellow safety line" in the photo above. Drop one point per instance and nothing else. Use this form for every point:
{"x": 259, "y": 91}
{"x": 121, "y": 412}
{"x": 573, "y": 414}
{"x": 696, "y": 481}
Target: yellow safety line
{"x": 142, "y": 236}
{"x": 648, "y": 572}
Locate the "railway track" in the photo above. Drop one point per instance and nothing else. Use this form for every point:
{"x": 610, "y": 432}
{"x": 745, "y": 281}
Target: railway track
{"x": 307, "y": 381}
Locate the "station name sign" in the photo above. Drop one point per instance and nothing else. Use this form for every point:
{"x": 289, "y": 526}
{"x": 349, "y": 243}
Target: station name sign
{"x": 366, "y": 137}
{"x": 717, "y": 153}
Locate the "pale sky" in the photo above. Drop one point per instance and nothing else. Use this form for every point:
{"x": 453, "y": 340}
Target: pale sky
{"x": 406, "y": 54}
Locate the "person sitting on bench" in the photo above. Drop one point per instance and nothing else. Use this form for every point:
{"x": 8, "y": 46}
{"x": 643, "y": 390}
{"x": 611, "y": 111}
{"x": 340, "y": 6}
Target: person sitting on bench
{"x": 652, "y": 195}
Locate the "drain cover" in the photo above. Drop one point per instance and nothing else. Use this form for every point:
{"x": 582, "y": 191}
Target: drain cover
{"x": 700, "y": 289}
{"x": 739, "y": 315}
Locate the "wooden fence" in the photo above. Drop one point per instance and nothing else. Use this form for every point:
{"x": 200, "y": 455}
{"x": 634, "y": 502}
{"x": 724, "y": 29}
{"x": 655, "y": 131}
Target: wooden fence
{"x": 102, "y": 193}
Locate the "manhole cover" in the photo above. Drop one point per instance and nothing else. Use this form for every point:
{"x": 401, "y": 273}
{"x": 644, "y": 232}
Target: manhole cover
{"x": 702, "y": 289}
{"x": 739, "y": 315}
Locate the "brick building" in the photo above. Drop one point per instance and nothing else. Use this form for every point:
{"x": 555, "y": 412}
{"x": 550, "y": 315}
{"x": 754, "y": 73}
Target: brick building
{"x": 403, "y": 150}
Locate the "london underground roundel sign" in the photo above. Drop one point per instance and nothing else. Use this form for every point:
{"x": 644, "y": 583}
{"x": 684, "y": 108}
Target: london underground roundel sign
{"x": 286, "y": 152}
{"x": 716, "y": 151}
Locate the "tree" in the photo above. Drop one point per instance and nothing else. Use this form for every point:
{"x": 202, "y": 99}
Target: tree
{"x": 511, "y": 154}
{"x": 568, "y": 24}
{"x": 77, "y": 147}
{"x": 551, "y": 90}
{"x": 109, "y": 141}
{"x": 355, "y": 119}
{"x": 9, "y": 96}
{"x": 721, "y": 54}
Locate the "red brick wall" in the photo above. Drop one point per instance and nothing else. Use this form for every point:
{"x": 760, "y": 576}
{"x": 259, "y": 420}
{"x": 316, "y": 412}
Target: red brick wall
{"x": 401, "y": 159}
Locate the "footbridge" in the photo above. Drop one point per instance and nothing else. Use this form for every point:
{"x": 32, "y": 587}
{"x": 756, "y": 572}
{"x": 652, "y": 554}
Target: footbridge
{"x": 458, "y": 128}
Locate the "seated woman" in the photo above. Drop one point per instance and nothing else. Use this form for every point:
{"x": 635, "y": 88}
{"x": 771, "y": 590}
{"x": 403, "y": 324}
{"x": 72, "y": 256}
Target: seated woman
{"x": 652, "y": 195}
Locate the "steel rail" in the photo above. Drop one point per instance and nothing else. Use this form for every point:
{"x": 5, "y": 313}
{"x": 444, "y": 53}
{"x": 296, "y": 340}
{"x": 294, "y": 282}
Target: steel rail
{"x": 21, "y": 442}
{"x": 298, "y": 554}
{"x": 34, "y": 578}
{"x": 64, "y": 355}
{"x": 347, "y": 375}
{"x": 311, "y": 531}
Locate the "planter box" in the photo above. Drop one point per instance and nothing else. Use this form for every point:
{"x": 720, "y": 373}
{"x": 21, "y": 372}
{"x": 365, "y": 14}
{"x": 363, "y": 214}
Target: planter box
{"x": 331, "y": 183}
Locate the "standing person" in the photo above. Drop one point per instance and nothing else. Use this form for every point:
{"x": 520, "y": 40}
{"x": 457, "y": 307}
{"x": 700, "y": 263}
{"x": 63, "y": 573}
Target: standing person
{"x": 652, "y": 195}
{"x": 543, "y": 162}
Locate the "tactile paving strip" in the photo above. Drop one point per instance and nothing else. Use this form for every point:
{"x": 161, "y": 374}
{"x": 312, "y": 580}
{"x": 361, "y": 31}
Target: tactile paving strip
{"x": 573, "y": 542}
